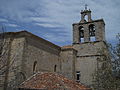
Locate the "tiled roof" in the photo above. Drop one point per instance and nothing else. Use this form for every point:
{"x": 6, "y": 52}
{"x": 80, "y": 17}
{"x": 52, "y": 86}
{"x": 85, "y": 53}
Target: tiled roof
{"x": 51, "y": 81}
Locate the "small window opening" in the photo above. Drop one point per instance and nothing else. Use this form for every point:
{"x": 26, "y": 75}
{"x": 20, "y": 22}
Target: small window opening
{"x": 86, "y": 18}
{"x": 81, "y": 33}
{"x": 92, "y": 32}
{"x": 34, "y": 66}
{"x": 55, "y": 67}
{"x": 78, "y": 76}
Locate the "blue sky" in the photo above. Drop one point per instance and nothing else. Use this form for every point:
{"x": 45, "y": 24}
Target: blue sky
{"x": 53, "y": 19}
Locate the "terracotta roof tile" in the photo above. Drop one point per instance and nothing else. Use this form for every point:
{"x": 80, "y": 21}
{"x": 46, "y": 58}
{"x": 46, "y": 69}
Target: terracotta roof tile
{"x": 51, "y": 81}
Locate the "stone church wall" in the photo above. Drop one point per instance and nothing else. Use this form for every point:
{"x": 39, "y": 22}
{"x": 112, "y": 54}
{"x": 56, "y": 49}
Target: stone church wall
{"x": 87, "y": 56}
{"x": 40, "y": 56}
{"x": 90, "y": 48}
{"x": 68, "y": 60}
{"x": 86, "y": 66}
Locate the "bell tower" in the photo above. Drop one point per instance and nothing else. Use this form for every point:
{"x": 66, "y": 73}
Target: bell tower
{"x": 88, "y": 39}
{"x": 88, "y": 30}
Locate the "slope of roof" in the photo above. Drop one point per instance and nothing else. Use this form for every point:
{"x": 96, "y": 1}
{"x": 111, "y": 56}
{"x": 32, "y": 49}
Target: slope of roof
{"x": 51, "y": 81}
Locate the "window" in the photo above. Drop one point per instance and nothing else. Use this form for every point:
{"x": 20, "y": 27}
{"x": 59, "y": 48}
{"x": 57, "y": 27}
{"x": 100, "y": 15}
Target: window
{"x": 34, "y": 66}
{"x": 55, "y": 67}
{"x": 81, "y": 33}
{"x": 78, "y": 76}
{"x": 92, "y": 32}
{"x": 19, "y": 78}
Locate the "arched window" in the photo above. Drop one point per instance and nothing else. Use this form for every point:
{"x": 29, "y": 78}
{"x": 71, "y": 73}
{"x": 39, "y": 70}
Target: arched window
{"x": 92, "y": 32}
{"x": 19, "y": 78}
{"x": 81, "y": 33}
{"x": 55, "y": 67}
{"x": 34, "y": 66}
{"x": 23, "y": 75}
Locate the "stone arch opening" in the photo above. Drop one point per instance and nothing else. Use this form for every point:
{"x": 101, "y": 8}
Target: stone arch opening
{"x": 81, "y": 34}
{"x": 23, "y": 75}
{"x": 86, "y": 18}
{"x": 55, "y": 68}
{"x": 92, "y": 32}
{"x": 34, "y": 66}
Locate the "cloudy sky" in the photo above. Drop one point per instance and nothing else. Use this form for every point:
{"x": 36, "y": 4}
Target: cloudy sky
{"x": 52, "y": 19}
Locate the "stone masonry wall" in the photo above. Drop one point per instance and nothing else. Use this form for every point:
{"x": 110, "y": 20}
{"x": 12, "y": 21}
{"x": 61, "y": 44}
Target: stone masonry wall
{"x": 68, "y": 59}
{"x": 91, "y": 48}
{"x": 45, "y": 56}
{"x": 87, "y": 56}
{"x": 17, "y": 47}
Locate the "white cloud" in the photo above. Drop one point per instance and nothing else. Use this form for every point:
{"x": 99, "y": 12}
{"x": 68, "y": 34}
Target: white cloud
{"x": 11, "y": 25}
{"x": 56, "y": 37}
{"x": 47, "y": 25}
{"x": 42, "y": 19}
{"x": 62, "y": 13}
{"x": 3, "y": 20}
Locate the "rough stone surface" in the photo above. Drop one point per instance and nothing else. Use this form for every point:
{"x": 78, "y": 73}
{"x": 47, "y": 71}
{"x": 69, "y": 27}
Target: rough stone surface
{"x": 88, "y": 51}
{"x": 68, "y": 60}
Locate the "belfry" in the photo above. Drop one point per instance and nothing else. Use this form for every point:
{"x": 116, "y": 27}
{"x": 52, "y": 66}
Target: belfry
{"x": 88, "y": 39}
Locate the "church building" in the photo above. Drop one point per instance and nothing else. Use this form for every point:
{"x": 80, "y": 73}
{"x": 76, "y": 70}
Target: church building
{"x": 32, "y": 54}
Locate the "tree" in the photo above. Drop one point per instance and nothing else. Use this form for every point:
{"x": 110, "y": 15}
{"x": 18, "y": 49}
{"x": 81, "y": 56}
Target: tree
{"x": 2, "y": 51}
{"x": 7, "y": 60}
{"x": 116, "y": 62}
{"x": 116, "y": 55}
{"x": 108, "y": 67}
{"x": 4, "y": 57}
{"x": 103, "y": 74}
